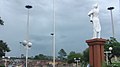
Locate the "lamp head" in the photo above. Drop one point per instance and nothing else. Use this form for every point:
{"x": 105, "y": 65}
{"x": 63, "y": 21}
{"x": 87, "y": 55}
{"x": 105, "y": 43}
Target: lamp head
{"x": 110, "y": 48}
{"x": 110, "y": 8}
{"x": 29, "y": 44}
{"x": 28, "y": 6}
{"x": 74, "y": 58}
{"x": 3, "y": 56}
{"x": 24, "y": 43}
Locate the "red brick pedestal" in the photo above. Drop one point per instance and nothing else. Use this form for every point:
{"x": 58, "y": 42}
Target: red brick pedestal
{"x": 96, "y": 51}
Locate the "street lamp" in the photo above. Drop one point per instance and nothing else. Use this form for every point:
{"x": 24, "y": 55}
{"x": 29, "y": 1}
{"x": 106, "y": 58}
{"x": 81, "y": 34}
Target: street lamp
{"x": 77, "y": 60}
{"x": 5, "y": 60}
{"x": 111, "y": 8}
{"x": 53, "y": 50}
{"x": 107, "y": 52}
{"x": 26, "y": 43}
{"x": 54, "y": 33}
{"x": 110, "y": 48}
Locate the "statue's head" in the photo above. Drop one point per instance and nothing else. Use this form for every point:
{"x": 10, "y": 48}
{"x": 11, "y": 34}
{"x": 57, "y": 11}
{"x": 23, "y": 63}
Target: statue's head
{"x": 95, "y": 5}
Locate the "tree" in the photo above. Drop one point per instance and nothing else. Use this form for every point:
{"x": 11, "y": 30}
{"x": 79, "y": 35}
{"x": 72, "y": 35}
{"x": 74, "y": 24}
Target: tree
{"x": 85, "y": 57}
{"x": 3, "y": 48}
{"x": 112, "y": 42}
{"x": 73, "y": 55}
{"x": 42, "y": 57}
{"x": 62, "y": 54}
{"x": 1, "y": 21}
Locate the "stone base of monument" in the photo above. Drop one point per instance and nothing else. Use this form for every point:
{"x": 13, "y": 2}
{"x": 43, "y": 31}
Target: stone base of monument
{"x": 96, "y": 51}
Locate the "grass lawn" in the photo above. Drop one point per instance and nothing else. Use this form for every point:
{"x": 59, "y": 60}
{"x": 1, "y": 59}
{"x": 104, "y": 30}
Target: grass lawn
{"x": 118, "y": 64}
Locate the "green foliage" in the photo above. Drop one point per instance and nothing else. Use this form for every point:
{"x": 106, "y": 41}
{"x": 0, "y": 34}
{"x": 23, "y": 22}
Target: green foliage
{"x": 85, "y": 56}
{"x": 62, "y": 54}
{"x": 104, "y": 64}
{"x": 112, "y": 42}
{"x": 42, "y": 57}
{"x": 3, "y": 48}
{"x": 73, "y": 55}
{"x": 113, "y": 65}
{"x": 2, "y": 65}
{"x": 1, "y": 21}
{"x": 116, "y": 65}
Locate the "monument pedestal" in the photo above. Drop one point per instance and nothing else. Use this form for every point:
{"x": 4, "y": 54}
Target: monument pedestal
{"x": 96, "y": 51}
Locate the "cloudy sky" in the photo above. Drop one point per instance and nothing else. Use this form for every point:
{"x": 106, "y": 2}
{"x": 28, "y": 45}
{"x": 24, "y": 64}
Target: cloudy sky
{"x": 72, "y": 24}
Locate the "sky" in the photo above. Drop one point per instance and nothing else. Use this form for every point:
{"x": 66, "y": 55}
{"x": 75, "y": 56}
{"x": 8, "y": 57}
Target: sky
{"x": 72, "y": 24}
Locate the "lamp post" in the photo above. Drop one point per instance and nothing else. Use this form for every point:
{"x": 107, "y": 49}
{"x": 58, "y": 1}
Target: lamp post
{"x": 5, "y": 64}
{"x": 54, "y": 33}
{"x": 111, "y": 8}
{"x": 53, "y": 50}
{"x": 107, "y": 52}
{"x": 26, "y": 43}
{"x": 77, "y": 60}
{"x": 5, "y": 60}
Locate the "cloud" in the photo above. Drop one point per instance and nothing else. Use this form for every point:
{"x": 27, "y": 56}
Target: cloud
{"x": 72, "y": 24}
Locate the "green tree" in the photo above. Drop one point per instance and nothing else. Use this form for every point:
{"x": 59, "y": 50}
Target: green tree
{"x": 1, "y": 21}
{"x": 3, "y": 48}
{"x": 85, "y": 57}
{"x": 42, "y": 57}
{"x": 73, "y": 55}
{"x": 62, "y": 54}
{"x": 112, "y": 42}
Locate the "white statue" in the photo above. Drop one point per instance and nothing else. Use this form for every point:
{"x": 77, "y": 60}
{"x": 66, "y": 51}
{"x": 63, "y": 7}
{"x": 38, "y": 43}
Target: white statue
{"x": 93, "y": 14}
